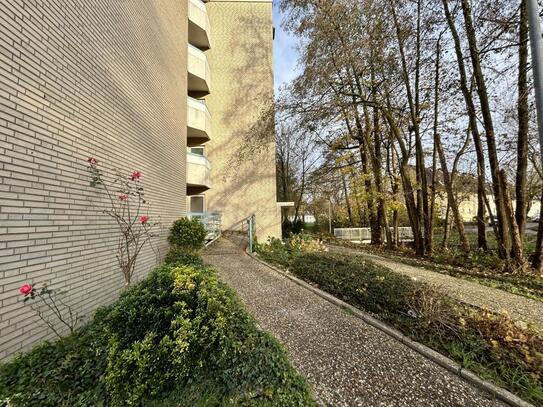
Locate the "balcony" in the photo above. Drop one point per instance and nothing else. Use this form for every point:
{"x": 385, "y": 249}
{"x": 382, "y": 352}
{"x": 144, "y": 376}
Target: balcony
{"x": 198, "y": 174}
{"x": 198, "y": 122}
{"x": 199, "y": 77}
{"x": 198, "y": 25}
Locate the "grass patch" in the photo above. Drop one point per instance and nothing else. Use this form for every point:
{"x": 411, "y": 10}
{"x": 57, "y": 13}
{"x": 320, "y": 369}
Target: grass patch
{"x": 179, "y": 338}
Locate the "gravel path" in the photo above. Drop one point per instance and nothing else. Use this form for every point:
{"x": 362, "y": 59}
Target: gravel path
{"x": 348, "y": 362}
{"x": 518, "y": 307}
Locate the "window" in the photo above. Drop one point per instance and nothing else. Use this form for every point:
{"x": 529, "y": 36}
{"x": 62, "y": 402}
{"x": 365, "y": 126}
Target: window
{"x": 197, "y": 204}
{"x": 197, "y": 150}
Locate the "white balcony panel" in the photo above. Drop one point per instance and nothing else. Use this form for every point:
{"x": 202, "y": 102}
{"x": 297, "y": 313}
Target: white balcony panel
{"x": 198, "y": 173}
{"x": 199, "y": 75}
{"x": 198, "y": 122}
{"x": 199, "y": 33}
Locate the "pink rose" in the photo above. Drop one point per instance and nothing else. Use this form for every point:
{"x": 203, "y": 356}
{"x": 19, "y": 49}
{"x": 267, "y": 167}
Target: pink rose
{"x": 92, "y": 161}
{"x": 144, "y": 219}
{"x": 123, "y": 197}
{"x": 136, "y": 175}
{"x": 26, "y": 289}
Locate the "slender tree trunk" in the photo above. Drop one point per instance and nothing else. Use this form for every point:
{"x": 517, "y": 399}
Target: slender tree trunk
{"x": 523, "y": 119}
{"x": 422, "y": 193}
{"x": 407, "y": 185}
{"x": 394, "y": 185}
{"x": 472, "y": 116}
{"x": 446, "y": 228}
{"x": 450, "y": 194}
{"x": 347, "y": 200}
{"x": 489, "y": 128}
{"x": 537, "y": 262}
{"x": 517, "y": 249}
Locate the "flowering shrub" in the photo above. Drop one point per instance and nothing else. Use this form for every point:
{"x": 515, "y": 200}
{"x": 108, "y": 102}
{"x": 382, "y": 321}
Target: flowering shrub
{"x": 49, "y": 299}
{"x": 127, "y": 201}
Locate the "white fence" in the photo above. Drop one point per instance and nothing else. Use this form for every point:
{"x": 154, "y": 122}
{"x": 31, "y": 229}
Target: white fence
{"x": 363, "y": 235}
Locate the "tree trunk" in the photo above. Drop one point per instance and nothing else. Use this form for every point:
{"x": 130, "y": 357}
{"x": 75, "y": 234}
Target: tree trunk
{"x": 347, "y": 200}
{"x": 450, "y": 195}
{"x": 472, "y": 115}
{"x": 489, "y": 128}
{"x": 422, "y": 193}
{"x": 516, "y": 240}
{"x": 537, "y": 261}
{"x": 407, "y": 184}
{"x": 446, "y": 228}
{"x": 523, "y": 119}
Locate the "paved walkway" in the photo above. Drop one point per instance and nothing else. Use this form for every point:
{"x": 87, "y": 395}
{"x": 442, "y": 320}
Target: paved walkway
{"x": 347, "y": 362}
{"x": 520, "y": 308}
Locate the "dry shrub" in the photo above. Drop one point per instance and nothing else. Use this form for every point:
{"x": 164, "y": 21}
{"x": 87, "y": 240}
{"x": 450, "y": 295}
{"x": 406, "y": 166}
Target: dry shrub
{"x": 510, "y": 341}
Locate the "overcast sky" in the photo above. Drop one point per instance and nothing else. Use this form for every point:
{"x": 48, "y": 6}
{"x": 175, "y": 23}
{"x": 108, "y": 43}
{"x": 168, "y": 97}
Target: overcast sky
{"x": 285, "y": 52}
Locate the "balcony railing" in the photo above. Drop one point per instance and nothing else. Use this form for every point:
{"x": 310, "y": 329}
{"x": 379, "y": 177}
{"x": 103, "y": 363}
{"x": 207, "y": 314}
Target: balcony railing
{"x": 199, "y": 77}
{"x": 198, "y": 122}
{"x": 198, "y": 173}
{"x": 211, "y": 222}
{"x": 198, "y": 24}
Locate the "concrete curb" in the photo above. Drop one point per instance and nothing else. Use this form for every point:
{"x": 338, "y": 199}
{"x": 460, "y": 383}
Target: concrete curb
{"x": 443, "y": 361}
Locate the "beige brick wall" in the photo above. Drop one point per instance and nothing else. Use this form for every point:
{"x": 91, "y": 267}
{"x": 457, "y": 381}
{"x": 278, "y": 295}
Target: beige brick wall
{"x": 83, "y": 77}
{"x": 242, "y": 85}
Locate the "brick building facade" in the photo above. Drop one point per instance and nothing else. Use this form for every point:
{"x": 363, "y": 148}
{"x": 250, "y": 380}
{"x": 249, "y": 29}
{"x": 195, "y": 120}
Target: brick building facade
{"x": 82, "y": 78}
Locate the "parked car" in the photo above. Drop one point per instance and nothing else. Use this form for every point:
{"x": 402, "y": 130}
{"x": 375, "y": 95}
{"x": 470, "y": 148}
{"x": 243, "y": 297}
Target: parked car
{"x": 493, "y": 218}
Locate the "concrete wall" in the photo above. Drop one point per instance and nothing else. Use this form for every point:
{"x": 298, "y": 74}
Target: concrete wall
{"x": 81, "y": 78}
{"x": 241, "y": 65}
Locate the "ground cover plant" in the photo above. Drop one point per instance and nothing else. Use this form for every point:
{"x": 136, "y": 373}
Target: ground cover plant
{"x": 482, "y": 267}
{"x": 179, "y": 338}
{"x": 492, "y": 345}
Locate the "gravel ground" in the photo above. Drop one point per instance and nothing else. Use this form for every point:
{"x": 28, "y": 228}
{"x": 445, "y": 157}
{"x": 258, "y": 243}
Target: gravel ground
{"x": 518, "y": 307}
{"x": 347, "y": 362}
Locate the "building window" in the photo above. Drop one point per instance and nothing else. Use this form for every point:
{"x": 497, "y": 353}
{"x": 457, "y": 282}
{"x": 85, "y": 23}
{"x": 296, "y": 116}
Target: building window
{"x": 197, "y": 204}
{"x": 197, "y": 150}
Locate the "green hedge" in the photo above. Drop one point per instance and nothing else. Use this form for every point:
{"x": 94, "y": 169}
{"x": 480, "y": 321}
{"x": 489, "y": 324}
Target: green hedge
{"x": 181, "y": 337}
{"x": 493, "y": 346}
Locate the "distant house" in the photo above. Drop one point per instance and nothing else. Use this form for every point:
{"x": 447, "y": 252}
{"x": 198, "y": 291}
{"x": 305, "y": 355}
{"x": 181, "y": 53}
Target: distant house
{"x": 466, "y": 196}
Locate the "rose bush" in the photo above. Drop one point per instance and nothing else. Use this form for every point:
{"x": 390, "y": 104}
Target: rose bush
{"x": 127, "y": 202}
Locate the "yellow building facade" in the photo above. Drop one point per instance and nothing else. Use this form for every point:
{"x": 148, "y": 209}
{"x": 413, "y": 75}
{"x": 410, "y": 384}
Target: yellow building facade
{"x": 242, "y": 179}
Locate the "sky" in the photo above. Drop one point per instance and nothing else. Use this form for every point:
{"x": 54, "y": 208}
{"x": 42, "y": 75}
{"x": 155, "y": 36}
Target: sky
{"x": 284, "y": 51}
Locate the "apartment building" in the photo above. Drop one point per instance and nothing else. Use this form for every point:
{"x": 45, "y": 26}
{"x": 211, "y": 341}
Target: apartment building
{"x": 149, "y": 86}
{"x": 229, "y": 96}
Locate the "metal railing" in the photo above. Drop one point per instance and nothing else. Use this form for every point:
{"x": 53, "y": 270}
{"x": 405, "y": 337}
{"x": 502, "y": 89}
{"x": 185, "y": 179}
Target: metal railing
{"x": 405, "y": 234}
{"x": 211, "y": 222}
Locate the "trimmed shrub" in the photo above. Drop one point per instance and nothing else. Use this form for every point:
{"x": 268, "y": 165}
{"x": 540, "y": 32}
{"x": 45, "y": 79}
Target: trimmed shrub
{"x": 187, "y": 235}
{"x": 178, "y": 256}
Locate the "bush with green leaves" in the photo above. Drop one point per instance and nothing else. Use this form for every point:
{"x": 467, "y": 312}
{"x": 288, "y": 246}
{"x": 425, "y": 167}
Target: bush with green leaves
{"x": 284, "y": 252}
{"x": 187, "y": 235}
{"x": 180, "y": 337}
